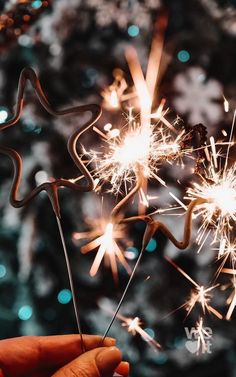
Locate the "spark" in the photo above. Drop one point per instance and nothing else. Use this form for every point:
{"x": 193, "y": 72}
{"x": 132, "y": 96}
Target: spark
{"x": 135, "y": 150}
{"x": 231, "y": 300}
{"x": 201, "y": 335}
{"x": 133, "y": 326}
{"x": 199, "y": 294}
{"x": 218, "y": 187}
{"x": 141, "y": 146}
{"x": 226, "y": 252}
{"x": 226, "y": 105}
{"x": 105, "y": 237}
{"x": 114, "y": 94}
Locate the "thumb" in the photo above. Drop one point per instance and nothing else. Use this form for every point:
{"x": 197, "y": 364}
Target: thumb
{"x": 100, "y": 362}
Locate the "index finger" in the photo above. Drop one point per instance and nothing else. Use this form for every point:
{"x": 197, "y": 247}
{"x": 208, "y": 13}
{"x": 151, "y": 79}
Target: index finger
{"x": 29, "y": 354}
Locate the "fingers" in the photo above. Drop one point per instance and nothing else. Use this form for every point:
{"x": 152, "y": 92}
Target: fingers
{"x": 28, "y": 355}
{"x": 100, "y": 362}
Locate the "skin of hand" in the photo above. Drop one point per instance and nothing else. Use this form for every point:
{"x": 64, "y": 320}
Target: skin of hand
{"x": 60, "y": 356}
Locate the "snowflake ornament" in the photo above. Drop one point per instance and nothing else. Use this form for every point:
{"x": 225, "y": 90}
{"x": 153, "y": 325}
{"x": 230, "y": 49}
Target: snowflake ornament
{"x": 123, "y": 13}
{"x": 198, "y": 98}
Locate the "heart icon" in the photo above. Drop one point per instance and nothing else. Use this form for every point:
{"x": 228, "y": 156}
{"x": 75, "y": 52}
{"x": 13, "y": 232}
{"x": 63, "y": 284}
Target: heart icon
{"x": 192, "y": 346}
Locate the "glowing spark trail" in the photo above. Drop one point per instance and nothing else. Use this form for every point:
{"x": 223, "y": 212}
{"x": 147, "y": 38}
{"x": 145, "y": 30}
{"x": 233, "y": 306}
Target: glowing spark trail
{"x": 199, "y": 294}
{"x": 226, "y": 252}
{"x": 231, "y": 300}
{"x": 105, "y": 239}
{"x": 219, "y": 210}
{"x": 133, "y": 326}
{"x": 202, "y": 334}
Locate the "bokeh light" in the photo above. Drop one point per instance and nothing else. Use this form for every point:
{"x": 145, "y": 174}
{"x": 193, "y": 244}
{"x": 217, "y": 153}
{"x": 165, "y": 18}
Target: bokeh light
{"x": 183, "y": 56}
{"x": 151, "y": 246}
{"x": 133, "y": 31}
{"x": 64, "y": 296}
{"x": 3, "y": 271}
{"x": 25, "y": 313}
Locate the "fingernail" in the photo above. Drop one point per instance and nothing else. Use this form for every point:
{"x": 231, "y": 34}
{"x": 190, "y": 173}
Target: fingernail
{"x": 123, "y": 369}
{"x": 109, "y": 342}
{"x": 108, "y": 359}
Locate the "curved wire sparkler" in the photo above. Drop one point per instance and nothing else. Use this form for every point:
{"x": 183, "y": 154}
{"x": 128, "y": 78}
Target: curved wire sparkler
{"x": 124, "y": 201}
{"x": 28, "y": 74}
{"x": 152, "y": 227}
{"x": 51, "y": 188}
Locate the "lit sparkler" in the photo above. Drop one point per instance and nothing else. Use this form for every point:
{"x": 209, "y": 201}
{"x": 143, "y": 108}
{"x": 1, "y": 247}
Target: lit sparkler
{"x": 218, "y": 188}
{"x": 135, "y": 151}
{"x": 140, "y": 145}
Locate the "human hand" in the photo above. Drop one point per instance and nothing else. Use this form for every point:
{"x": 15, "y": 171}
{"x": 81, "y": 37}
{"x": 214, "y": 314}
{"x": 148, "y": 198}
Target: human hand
{"x": 61, "y": 355}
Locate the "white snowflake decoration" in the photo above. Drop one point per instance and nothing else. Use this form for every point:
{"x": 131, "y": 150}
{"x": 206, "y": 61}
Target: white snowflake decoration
{"x": 198, "y": 98}
{"x": 123, "y": 13}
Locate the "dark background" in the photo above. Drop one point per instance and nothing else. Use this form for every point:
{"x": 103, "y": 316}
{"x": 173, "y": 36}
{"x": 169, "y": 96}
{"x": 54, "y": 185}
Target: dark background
{"x": 74, "y": 45}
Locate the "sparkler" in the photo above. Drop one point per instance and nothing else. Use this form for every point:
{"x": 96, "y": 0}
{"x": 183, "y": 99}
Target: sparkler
{"x": 143, "y": 145}
{"x": 226, "y": 252}
{"x": 53, "y": 186}
{"x": 218, "y": 187}
{"x": 151, "y": 228}
{"x": 135, "y": 151}
{"x": 208, "y": 198}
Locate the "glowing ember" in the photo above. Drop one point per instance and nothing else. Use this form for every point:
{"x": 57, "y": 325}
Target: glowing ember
{"x": 133, "y": 326}
{"x": 105, "y": 239}
{"x": 199, "y": 294}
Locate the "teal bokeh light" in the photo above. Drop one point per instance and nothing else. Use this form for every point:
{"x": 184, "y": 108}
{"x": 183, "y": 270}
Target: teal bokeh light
{"x": 25, "y": 313}
{"x": 3, "y": 115}
{"x": 131, "y": 252}
{"x": 36, "y": 4}
{"x": 151, "y": 246}
{"x": 183, "y": 56}
{"x": 133, "y": 31}
{"x": 3, "y": 271}
{"x": 150, "y": 332}
{"x": 64, "y": 296}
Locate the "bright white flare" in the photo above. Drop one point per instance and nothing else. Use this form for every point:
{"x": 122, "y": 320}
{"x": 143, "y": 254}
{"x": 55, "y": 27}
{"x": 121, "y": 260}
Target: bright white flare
{"x": 136, "y": 151}
{"x": 219, "y": 188}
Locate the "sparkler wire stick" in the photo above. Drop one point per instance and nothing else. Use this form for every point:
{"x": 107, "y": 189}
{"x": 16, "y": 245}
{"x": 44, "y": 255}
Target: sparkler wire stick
{"x": 152, "y": 227}
{"x": 53, "y": 186}
{"x": 116, "y": 210}
{"x": 75, "y": 302}
{"x": 123, "y": 297}
{"x": 50, "y": 187}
